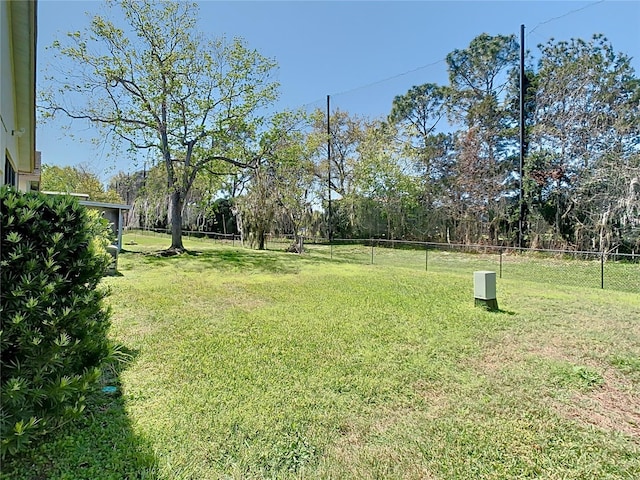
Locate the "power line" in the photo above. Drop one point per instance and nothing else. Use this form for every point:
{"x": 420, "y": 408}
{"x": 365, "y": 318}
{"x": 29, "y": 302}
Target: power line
{"x": 570, "y": 12}
{"x": 399, "y": 75}
{"x": 390, "y": 78}
{"x": 378, "y": 82}
{"x": 442, "y": 60}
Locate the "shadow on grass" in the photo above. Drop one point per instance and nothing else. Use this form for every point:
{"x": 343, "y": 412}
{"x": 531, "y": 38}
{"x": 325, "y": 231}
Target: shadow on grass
{"x": 99, "y": 446}
{"x": 237, "y": 260}
{"x": 497, "y": 311}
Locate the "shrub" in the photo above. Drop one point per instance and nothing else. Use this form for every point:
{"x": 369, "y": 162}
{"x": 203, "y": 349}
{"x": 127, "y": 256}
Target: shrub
{"x": 53, "y": 322}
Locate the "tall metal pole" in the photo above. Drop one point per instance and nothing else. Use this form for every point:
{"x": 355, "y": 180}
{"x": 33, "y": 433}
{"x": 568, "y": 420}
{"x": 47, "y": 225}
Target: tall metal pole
{"x": 522, "y": 117}
{"x": 329, "y": 166}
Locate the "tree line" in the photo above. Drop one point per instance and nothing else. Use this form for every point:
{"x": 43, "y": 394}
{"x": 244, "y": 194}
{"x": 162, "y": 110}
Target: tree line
{"x": 442, "y": 166}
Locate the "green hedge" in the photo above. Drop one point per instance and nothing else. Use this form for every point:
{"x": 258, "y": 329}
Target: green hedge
{"x": 53, "y": 322}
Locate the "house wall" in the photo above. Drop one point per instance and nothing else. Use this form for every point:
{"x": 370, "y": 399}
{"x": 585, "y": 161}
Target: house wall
{"x": 31, "y": 181}
{"x": 17, "y": 90}
{"x": 114, "y": 214}
{"x": 8, "y": 144}
{"x": 113, "y": 217}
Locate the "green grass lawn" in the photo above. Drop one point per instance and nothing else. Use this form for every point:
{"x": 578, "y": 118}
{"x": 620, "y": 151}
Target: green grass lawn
{"x": 248, "y": 364}
{"x": 539, "y": 267}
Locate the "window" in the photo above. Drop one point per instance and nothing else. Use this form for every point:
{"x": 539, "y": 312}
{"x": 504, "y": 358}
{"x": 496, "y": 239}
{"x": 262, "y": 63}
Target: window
{"x": 10, "y": 177}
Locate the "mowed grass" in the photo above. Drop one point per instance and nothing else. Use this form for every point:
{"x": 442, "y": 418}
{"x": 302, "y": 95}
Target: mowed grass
{"x": 249, "y": 364}
{"x": 539, "y": 267}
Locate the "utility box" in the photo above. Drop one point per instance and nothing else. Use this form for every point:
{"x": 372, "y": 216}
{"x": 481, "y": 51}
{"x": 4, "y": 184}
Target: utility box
{"x": 484, "y": 289}
{"x": 113, "y": 266}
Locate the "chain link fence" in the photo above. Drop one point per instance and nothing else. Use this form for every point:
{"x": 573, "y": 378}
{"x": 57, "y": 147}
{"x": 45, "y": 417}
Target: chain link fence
{"x": 609, "y": 270}
{"x": 231, "y": 239}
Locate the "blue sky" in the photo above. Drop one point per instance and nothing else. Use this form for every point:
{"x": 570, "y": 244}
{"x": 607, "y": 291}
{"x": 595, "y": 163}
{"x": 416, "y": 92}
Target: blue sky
{"x": 362, "y": 53}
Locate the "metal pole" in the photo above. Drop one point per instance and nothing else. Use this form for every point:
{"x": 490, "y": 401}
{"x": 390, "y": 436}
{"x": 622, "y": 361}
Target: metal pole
{"x": 329, "y": 165}
{"x": 602, "y": 270}
{"x": 500, "y": 263}
{"x": 522, "y": 93}
{"x": 426, "y": 258}
{"x": 372, "y": 251}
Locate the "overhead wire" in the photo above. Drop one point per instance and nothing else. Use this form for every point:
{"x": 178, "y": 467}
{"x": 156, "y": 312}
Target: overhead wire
{"x": 320, "y": 101}
{"x": 442, "y": 60}
{"x": 399, "y": 75}
{"x": 570, "y": 12}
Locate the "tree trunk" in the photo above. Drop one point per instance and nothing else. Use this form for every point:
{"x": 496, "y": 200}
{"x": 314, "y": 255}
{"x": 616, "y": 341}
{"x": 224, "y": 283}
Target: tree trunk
{"x": 603, "y": 230}
{"x": 261, "y": 242}
{"x": 176, "y": 222}
{"x": 237, "y": 213}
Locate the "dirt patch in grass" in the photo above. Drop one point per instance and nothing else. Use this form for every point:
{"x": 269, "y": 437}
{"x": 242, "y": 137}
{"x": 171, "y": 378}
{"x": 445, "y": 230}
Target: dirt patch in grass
{"x": 436, "y": 399}
{"x": 510, "y": 349}
{"x": 614, "y": 406}
{"x": 505, "y": 351}
{"x": 348, "y": 444}
{"x": 237, "y": 296}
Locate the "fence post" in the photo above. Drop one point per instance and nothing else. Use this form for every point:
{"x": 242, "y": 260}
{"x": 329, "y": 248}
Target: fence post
{"x": 426, "y": 258}
{"x": 372, "y": 251}
{"x": 602, "y": 270}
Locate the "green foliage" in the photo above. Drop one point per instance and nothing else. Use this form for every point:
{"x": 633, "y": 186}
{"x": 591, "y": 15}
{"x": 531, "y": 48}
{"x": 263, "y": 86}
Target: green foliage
{"x": 53, "y": 322}
{"x": 102, "y": 234}
{"x": 159, "y": 85}
{"x": 588, "y": 376}
{"x": 583, "y": 144}
{"x": 443, "y": 166}
{"x": 258, "y": 364}
{"x": 77, "y": 179}
{"x": 578, "y": 376}
{"x": 279, "y": 182}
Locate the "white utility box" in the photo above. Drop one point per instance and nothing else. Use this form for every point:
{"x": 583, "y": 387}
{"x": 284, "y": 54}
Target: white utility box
{"x": 484, "y": 289}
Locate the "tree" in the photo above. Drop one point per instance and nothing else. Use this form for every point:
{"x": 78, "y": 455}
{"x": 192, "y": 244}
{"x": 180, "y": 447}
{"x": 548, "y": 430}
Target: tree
{"x": 347, "y": 132}
{"x": 78, "y": 179}
{"x": 256, "y": 209}
{"x": 419, "y": 111}
{"x": 161, "y": 86}
{"x": 279, "y": 183}
{"x": 385, "y": 177}
{"x": 585, "y": 141}
{"x": 128, "y": 185}
{"x": 417, "y": 116}
{"x": 478, "y": 77}
{"x": 146, "y": 191}
{"x": 294, "y": 182}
